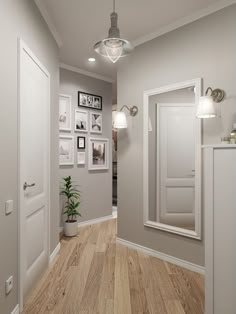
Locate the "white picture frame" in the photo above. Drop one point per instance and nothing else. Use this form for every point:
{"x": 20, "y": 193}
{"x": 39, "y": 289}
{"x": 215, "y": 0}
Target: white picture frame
{"x": 66, "y": 150}
{"x": 81, "y": 120}
{"x": 81, "y": 158}
{"x": 95, "y": 122}
{"x": 64, "y": 113}
{"x": 98, "y": 156}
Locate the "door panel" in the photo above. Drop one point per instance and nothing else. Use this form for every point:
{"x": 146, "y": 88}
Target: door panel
{"x": 176, "y": 124}
{"x": 34, "y": 168}
{"x": 180, "y": 200}
{"x": 34, "y": 227}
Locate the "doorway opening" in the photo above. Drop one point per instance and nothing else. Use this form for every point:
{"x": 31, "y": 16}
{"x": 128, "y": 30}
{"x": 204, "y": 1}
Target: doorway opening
{"x": 114, "y": 163}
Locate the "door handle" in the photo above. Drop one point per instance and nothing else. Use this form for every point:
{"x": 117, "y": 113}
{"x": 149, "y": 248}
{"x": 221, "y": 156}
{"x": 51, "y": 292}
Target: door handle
{"x": 25, "y": 186}
{"x": 191, "y": 175}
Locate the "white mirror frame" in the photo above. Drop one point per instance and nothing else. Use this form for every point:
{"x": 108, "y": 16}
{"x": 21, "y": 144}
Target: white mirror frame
{"x": 196, "y": 83}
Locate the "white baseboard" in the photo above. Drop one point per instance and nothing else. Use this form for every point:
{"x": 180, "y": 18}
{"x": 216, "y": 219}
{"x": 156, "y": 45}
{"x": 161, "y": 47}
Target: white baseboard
{"x": 16, "y": 310}
{"x": 114, "y": 208}
{"x": 162, "y": 256}
{"x": 95, "y": 221}
{"x": 54, "y": 253}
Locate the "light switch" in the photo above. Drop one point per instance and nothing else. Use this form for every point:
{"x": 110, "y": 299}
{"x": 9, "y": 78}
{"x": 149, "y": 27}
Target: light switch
{"x": 8, "y": 207}
{"x": 9, "y": 285}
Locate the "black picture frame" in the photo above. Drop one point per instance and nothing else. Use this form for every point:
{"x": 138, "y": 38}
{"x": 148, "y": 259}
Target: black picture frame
{"x": 90, "y": 101}
{"x": 79, "y": 138}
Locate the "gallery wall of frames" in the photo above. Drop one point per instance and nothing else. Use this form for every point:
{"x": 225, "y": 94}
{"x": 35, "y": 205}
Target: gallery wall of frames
{"x": 74, "y": 147}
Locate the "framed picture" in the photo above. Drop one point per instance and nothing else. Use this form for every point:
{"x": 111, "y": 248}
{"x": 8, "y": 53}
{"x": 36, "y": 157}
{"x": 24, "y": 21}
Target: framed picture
{"x": 81, "y": 120}
{"x": 98, "y": 158}
{"x": 95, "y": 122}
{"x": 66, "y": 150}
{"x": 64, "y": 112}
{"x": 89, "y": 101}
{"x": 81, "y": 158}
{"x": 81, "y": 142}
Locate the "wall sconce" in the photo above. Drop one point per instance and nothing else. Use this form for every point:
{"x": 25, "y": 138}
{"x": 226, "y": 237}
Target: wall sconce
{"x": 206, "y": 107}
{"x": 120, "y": 118}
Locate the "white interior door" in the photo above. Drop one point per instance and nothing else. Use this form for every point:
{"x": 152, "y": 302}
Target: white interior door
{"x": 34, "y": 136}
{"x": 177, "y": 164}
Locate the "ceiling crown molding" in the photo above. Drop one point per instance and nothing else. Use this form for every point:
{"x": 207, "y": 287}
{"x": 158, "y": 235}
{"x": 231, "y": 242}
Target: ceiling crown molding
{"x": 87, "y": 73}
{"x": 184, "y": 21}
{"x": 49, "y": 22}
{"x": 221, "y": 4}
{"x": 139, "y": 41}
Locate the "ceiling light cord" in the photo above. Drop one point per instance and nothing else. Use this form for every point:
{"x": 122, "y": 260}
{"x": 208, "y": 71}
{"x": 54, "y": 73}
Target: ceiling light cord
{"x": 114, "y": 5}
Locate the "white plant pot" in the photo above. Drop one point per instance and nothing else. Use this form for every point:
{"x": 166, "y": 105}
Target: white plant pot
{"x": 71, "y": 228}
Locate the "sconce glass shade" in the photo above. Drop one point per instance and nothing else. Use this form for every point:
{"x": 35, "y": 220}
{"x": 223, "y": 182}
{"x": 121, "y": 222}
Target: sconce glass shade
{"x": 120, "y": 120}
{"x": 149, "y": 125}
{"x": 206, "y": 108}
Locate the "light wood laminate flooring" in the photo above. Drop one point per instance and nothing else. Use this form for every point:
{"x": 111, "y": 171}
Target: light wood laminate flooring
{"x": 94, "y": 275}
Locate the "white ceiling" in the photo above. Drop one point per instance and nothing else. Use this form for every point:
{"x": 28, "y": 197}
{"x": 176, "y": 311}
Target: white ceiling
{"x": 78, "y": 24}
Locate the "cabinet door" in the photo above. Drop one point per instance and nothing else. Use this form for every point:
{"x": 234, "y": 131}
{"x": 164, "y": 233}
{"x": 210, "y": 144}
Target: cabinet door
{"x": 224, "y": 231}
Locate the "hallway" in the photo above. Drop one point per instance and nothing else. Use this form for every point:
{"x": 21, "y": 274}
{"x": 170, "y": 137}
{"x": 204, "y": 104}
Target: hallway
{"x": 93, "y": 274}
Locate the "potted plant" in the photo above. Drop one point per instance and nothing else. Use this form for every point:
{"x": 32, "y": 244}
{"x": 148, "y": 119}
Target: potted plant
{"x": 71, "y": 207}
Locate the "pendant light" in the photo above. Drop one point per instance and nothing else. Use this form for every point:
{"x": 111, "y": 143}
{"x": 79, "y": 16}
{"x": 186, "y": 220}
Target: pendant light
{"x": 113, "y": 46}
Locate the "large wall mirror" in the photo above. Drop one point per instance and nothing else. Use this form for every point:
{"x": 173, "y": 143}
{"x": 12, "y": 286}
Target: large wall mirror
{"x": 172, "y": 159}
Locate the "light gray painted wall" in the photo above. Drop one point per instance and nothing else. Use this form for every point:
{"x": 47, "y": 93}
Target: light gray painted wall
{"x": 95, "y": 186}
{"x": 205, "y": 48}
{"x": 20, "y": 18}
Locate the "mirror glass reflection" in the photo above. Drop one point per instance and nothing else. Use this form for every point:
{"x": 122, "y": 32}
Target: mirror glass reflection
{"x": 172, "y": 147}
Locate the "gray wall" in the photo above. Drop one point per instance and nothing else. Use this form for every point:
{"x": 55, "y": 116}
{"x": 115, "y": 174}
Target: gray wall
{"x": 20, "y": 18}
{"x": 95, "y": 186}
{"x": 205, "y": 48}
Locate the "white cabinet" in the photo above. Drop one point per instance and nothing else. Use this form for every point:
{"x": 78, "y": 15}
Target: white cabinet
{"x": 220, "y": 228}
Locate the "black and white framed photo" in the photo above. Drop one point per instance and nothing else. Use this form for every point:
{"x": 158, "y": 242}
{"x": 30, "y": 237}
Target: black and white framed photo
{"x": 66, "y": 150}
{"x": 95, "y": 122}
{"x": 81, "y": 158}
{"x": 64, "y": 113}
{"x": 81, "y": 142}
{"x": 98, "y": 158}
{"x": 89, "y": 101}
{"x": 81, "y": 120}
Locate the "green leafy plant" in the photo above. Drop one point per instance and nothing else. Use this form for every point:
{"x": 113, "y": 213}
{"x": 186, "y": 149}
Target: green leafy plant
{"x": 72, "y": 199}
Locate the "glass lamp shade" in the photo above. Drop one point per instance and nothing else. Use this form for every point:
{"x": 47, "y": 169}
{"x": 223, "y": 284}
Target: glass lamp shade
{"x": 206, "y": 108}
{"x": 120, "y": 120}
{"x": 113, "y": 48}
{"x": 149, "y": 125}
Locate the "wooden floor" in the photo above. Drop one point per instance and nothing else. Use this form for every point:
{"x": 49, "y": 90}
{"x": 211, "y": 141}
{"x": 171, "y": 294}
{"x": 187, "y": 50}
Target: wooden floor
{"x": 92, "y": 274}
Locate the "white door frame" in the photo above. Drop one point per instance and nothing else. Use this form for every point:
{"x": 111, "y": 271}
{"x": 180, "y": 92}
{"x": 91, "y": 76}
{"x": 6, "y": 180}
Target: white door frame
{"x": 23, "y": 48}
{"x": 196, "y": 83}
